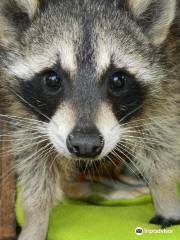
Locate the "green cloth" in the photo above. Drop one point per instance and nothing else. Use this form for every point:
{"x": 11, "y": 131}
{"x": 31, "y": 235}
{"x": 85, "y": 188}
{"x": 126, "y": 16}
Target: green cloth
{"x": 105, "y": 220}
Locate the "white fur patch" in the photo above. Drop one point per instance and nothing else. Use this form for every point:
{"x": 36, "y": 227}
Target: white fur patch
{"x": 123, "y": 59}
{"x": 139, "y": 6}
{"x": 30, "y": 6}
{"x": 29, "y": 66}
{"x": 60, "y": 127}
{"x": 164, "y": 15}
{"x": 103, "y": 59}
{"x": 67, "y": 57}
{"x": 109, "y": 127}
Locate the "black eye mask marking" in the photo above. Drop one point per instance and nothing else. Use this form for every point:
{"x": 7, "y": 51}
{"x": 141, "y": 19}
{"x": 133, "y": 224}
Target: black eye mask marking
{"x": 44, "y": 92}
{"x": 48, "y": 89}
{"x": 124, "y": 92}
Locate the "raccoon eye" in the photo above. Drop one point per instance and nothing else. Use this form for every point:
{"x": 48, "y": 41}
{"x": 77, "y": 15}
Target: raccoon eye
{"x": 52, "y": 81}
{"x": 117, "y": 81}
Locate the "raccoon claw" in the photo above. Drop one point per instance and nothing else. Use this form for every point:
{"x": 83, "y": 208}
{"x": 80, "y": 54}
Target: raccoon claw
{"x": 156, "y": 220}
{"x": 159, "y": 220}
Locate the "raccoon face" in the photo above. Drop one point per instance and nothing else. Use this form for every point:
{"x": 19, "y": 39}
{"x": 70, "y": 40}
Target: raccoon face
{"x": 88, "y": 70}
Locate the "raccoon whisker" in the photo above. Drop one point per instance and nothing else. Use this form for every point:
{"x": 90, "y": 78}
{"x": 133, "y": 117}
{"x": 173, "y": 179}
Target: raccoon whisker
{"x": 12, "y": 169}
{"x": 22, "y": 128}
{"x": 130, "y": 151}
{"x": 63, "y": 153}
{"x": 130, "y": 113}
{"x": 151, "y": 119}
{"x": 20, "y": 125}
{"x": 23, "y": 119}
{"x": 33, "y": 157}
{"x": 138, "y": 133}
{"x": 125, "y": 163}
{"x": 34, "y": 108}
{"x": 49, "y": 150}
{"x": 18, "y": 134}
{"x": 127, "y": 137}
{"x": 27, "y": 103}
{"x": 77, "y": 163}
{"x": 84, "y": 169}
{"x": 44, "y": 154}
{"x": 20, "y": 148}
{"x": 26, "y": 128}
{"x": 22, "y": 132}
{"x": 9, "y": 138}
{"x": 12, "y": 140}
{"x": 92, "y": 163}
{"x": 148, "y": 140}
{"x": 17, "y": 123}
{"x": 103, "y": 167}
{"x": 135, "y": 126}
{"x": 145, "y": 131}
{"x": 107, "y": 169}
{"x": 151, "y": 122}
{"x": 86, "y": 165}
{"x": 19, "y": 139}
{"x": 108, "y": 157}
{"x": 35, "y": 144}
{"x": 54, "y": 160}
{"x": 90, "y": 174}
{"x": 134, "y": 165}
{"x": 97, "y": 170}
{"x": 140, "y": 145}
{"x": 142, "y": 128}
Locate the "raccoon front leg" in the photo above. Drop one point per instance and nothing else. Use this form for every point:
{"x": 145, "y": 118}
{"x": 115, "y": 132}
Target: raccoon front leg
{"x": 36, "y": 223}
{"x": 38, "y": 198}
{"x": 166, "y": 203}
{"x": 36, "y": 206}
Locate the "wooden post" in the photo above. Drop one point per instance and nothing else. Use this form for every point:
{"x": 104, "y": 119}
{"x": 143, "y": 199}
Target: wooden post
{"x": 7, "y": 192}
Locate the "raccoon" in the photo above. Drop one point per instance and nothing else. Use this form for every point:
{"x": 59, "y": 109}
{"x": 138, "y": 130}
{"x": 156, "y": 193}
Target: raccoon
{"x": 89, "y": 80}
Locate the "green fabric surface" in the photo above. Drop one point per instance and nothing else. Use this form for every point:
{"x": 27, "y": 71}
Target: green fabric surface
{"x": 77, "y": 220}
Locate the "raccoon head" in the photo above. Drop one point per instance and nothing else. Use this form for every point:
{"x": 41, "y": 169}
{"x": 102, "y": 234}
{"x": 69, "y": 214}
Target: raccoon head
{"x": 88, "y": 69}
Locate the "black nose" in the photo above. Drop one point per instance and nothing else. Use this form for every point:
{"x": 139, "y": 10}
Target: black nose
{"x": 85, "y": 144}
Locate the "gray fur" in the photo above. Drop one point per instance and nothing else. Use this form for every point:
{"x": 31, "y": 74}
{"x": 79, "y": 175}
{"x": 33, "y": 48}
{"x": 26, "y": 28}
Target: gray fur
{"x": 85, "y": 37}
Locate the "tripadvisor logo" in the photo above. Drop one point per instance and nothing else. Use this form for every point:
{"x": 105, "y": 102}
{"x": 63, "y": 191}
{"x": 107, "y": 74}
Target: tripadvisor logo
{"x": 138, "y": 231}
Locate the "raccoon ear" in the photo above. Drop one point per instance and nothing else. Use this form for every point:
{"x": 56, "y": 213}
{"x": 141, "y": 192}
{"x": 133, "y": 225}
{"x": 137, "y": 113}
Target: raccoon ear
{"x": 17, "y": 13}
{"x": 18, "y": 7}
{"x": 154, "y": 16}
{"x": 15, "y": 16}
{"x": 28, "y": 6}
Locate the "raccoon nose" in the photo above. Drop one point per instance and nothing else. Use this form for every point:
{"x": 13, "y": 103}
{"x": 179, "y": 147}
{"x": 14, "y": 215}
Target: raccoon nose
{"x": 85, "y": 144}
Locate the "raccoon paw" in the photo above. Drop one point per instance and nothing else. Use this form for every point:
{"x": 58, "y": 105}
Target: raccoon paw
{"x": 156, "y": 220}
{"x": 164, "y": 222}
